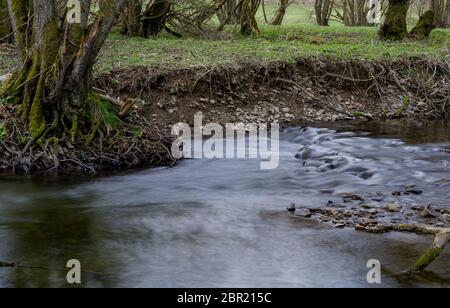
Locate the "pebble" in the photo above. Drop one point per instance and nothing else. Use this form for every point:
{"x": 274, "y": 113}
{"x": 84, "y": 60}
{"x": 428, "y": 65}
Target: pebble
{"x": 427, "y": 212}
{"x": 393, "y": 208}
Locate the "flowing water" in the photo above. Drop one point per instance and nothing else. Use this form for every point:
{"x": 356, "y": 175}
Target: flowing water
{"x": 223, "y": 223}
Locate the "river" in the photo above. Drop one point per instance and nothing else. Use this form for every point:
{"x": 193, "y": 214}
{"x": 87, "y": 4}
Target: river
{"x": 223, "y": 223}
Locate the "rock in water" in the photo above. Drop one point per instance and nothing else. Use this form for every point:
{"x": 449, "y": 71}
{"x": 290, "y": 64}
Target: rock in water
{"x": 393, "y": 208}
{"x": 427, "y": 212}
{"x": 292, "y": 208}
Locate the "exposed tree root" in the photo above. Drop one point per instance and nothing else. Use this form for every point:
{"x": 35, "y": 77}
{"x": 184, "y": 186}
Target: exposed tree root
{"x": 391, "y": 88}
{"x": 442, "y": 237}
{"x": 134, "y": 143}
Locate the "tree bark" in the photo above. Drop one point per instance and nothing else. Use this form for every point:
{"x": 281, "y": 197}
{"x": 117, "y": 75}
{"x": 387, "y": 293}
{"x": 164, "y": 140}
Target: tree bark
{"x": 394, "y": 27}
{"x": 249, "y": 25}
{"x": 132, "y": 15}
{"x": 154, "y": 16}
{"x": 424, "y": 27}
{"x": 227, "y": 14}
{"x": 441, "y": 10}
{"x": 354, "y": 12}
{"x": 53, "y": 83}
{"x": 323, "y": 9}
{"x": 5, "y": 24}
{"x": 281, "y": 12}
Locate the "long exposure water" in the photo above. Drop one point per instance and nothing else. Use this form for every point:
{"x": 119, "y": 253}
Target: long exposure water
{"x": 223, "y": 223}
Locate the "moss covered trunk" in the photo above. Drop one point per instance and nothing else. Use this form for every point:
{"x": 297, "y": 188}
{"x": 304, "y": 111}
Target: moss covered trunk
{"x": 249, "y": 25}
{"x": 53, "y": 82}
{"x": 424, "y": 27}
{"x": 323, "y": 9}
{"x": 441, "y": 240}
{"x": 5, "y": 24}
{"x": 132, "y": 15}
{"x": 394, "y": 27}
{"x": 281, "y": 12}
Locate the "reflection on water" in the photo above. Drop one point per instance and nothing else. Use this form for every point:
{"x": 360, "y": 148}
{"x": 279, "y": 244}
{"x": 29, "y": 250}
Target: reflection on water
{"x": 223, "y": 223}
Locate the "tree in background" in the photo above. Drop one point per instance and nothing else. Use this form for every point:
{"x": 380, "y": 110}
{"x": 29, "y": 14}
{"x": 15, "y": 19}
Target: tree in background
{"x": 323, "y": 10}
{"x": 227, "y": 12}
{"x": 248, "y": 22}
{"x": 52, "y": 84}
{"x": 394, "y": 27}
{"x": 280, "y": 13}
{"x": 353, "y": 12}
{"x": 441, "y": 10}
{"x": 145, "y": 20}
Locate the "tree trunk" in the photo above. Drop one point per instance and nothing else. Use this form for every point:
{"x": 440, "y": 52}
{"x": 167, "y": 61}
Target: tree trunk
{"x": 5, "y": 25}
{"x": 441, "y": 10}
{"x": 227, "y": 14}
{"x": 154, "y": 17}
{"x": 56, "y": 55}
{"x": 132, "y": 15}
{"x": 281, "y": 12}
{"x": 354, "y": 12}
{"x": 424, "y": 27}
{"x": 323, "y": 9}
{"x": 249, "y": 24}
{"x": 394, "y": 27}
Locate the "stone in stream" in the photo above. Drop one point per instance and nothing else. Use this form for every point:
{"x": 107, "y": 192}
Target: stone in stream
{"x": 427, "y": 212}
{"x": 351, "y": 197}
{"x": 292, "y": 208}
{"x": 393, "y": 208}
{"x": 305, "y": 154}
{"x": 305, "y": 214}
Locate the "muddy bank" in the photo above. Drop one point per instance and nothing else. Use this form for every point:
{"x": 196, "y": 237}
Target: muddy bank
{"x": 311, "y": 90}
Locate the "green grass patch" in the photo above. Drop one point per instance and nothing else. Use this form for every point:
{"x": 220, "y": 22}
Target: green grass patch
{"x": 286, "y": 43}
{"x": 298, "y": 37}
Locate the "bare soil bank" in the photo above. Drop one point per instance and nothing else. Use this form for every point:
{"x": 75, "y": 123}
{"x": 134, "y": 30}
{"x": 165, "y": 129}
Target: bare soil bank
{"x": 310, "y": 90}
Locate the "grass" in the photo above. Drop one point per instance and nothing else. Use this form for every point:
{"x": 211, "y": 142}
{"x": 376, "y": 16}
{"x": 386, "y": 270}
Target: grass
{"x": 286, "y": 43}
{"x": 298, "y": 37}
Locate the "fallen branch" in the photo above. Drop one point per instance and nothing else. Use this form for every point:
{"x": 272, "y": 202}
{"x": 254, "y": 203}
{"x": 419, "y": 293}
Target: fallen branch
{"x": 440, "y": 241}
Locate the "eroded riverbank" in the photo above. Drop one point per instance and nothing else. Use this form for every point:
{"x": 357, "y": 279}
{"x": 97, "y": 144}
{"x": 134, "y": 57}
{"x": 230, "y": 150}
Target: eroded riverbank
{"x": 310, "y": 90}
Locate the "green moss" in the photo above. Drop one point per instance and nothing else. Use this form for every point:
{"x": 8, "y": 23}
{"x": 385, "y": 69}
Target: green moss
{"x": 424, "y": 26}
{"x": 395, "y": 27}
{"x": 74, "y": 130}
{"x": 426, "y": 260}
{"x": 102, "y": 116}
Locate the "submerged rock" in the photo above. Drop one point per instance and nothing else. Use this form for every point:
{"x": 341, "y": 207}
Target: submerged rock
{"x": 427, "y": 212}
{"x": 292, "y": 208}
